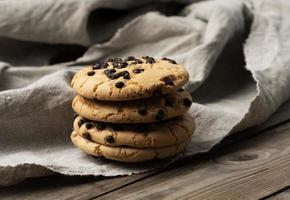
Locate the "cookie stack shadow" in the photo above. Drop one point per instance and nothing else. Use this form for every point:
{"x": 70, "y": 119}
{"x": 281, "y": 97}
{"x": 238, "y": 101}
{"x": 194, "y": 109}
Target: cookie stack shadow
{"x": 132, "y": 109}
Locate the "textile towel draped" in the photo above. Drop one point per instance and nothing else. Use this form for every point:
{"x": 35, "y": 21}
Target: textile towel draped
{"x": 237, "y": 54}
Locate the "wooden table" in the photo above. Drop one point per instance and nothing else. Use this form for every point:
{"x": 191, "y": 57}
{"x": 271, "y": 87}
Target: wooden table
{"x": 257, "y": 167}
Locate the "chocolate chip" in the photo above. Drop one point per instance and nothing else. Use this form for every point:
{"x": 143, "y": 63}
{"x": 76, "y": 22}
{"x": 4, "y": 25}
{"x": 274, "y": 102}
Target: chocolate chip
{"x": 138, "y": 70}
{"x": 119, "y": 84}
{"x": 116, "y": 64}
{"x": 110, "y": 59}
{"x": 119, "y": 65}
{"x": 109, "y": 72}
{"x": 187, "y": 102}
{"x": 168, "y": 103}
{"x": 149, "y": 59}
{"x": 81, "y": 122}
{"x": 90, "y": 73}
{"x": 136, "y": 61}
{"x": 89, "y": 125}
{"x": 114, "y": 76}
{"x": 87, "y": 136}
{"x": 160, "y": 115}
{"x": 100, "y": 126}
{"x": 124, "y": 64}
{"x": 168, "y": 81}
{"x": 125, "y": 75}
{"x": 180, "y": 90}
{"x": 110, "y": 139}
{"x": 142, "y": 111}
{"x": 130, "y": 58}
{"x": 98, "y": 65}
{"x": 169, "y": 60}
{"x": 105, "y": 65}
{"x": 142, "y": 128}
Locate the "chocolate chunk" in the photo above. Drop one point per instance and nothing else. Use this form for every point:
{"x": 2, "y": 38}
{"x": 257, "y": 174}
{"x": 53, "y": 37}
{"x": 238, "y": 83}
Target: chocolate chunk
{"x": 90, "y": 73}
{"x": 139, "y": 61}
{"x": 136, "y": 61}
{"x": 149, "y": 59}
{"x": 130, "y": 58}
{"x": 160, "y": 115}
{"x": 168, "y": 81}
{"x": 138, "y": 70}
{"x": 124, "y": 64}
{"x": 142, "y": 128}
{"x": 109, "y": 72}
{"x": 142, "y": 111}
{"x": 116, "y": 64}
{"x": 110, "y": 139}
{"x": 187, "y": 102}
{"x": 110, "y": 59}
{"x": 120, "y": 65}
{"x": 87, "y": 136}
{"x": 89, "y": 125}
{"x": 105, "y": 65}
{"x": 81, "y": 122}
{"x": 119, "y": 84}
{"x": 169, "y": 60}
{"x": 97, "y": 65}
{"x": 100, "y": 126}
{"x": 180, "y": 90}
{"x": 125, "y": 75}
{"x": 114, "y": 76}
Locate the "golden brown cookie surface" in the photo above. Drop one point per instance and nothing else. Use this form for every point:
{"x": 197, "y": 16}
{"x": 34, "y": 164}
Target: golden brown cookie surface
{"x": 132, "y": 78}
{"x": 135, "y": 111}
{"x": 125, "y": 154}
{"x": 166, "y": 133}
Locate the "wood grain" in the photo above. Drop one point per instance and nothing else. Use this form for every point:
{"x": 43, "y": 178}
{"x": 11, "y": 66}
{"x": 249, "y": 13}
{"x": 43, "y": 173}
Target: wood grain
{"x": 66, "y": 187}
{"x": 251, "y": 170}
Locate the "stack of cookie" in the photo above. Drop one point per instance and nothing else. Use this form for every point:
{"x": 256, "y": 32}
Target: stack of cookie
{"x": 132, "y": 109}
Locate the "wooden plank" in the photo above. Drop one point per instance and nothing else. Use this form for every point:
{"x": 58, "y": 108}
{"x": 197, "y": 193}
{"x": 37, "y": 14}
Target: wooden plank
{"x": 284, "y": 195}
{"x": 66, "y": 187}
{"x": 251, "y": 170}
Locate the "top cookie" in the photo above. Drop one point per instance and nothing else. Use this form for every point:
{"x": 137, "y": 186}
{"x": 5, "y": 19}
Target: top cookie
{"x": 128, "y": 79}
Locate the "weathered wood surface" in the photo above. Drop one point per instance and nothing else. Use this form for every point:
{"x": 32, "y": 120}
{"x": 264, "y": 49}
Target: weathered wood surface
{"x": 283, "y": 195}
{"x": 255, "y": 168}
